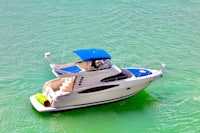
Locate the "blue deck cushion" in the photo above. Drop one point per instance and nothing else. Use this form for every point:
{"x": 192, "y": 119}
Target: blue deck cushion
{"x": 139, "y": 72}
{"x": 71, "y": 69}
{"x": 92, "y": 54}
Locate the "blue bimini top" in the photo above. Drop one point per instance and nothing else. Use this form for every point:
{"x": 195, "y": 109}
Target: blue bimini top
{"x": 92, "y": 54}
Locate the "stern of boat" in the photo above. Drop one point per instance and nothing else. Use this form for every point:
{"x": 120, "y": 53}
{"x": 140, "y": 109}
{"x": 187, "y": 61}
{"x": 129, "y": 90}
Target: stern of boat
{"x": 41, "y": 103}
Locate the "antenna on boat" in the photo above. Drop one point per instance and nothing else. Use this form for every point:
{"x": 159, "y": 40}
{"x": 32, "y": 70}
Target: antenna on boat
{"x": 47, "y": 56}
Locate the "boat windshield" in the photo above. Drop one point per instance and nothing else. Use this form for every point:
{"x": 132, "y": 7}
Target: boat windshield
{"x": 123, "y": 75}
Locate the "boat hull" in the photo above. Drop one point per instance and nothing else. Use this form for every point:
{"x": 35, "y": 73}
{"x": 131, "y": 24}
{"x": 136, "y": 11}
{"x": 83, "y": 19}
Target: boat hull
{"x": 84, "y": 100}
{"x": 80, "y": 98}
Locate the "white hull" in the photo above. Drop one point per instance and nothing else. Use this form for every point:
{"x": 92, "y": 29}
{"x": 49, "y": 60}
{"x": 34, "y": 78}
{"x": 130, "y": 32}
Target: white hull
{"x": 86, "y": 101}
{"x": 75, "y": 99}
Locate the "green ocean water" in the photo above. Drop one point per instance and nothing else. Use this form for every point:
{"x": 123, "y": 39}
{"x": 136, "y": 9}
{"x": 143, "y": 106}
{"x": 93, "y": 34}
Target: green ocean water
{"x": 136, "y": 33}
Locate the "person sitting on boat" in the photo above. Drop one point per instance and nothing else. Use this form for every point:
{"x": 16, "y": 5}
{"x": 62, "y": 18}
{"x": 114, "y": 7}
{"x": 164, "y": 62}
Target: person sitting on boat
{"x": 99, "y": 64}
{"x": 93, "y": 64}
{"x": 103, "y": 64}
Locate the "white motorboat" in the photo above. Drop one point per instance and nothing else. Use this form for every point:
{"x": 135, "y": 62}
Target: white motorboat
{"x": 92, "y": 81}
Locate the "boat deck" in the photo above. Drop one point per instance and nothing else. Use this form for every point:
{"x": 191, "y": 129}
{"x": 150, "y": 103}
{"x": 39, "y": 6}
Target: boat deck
{"x": 83, "y": 65}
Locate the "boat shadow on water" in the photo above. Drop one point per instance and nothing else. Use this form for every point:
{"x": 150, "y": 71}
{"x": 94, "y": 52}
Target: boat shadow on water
{"x": 133, "y": 104}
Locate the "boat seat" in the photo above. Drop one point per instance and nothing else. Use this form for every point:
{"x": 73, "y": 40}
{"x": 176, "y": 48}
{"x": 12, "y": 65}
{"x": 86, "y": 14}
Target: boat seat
{"x": 71, "y": 69}
{"x": 139, "y": 72}
{"x": 68, "y": 88}
{"x": 67, "y": 85}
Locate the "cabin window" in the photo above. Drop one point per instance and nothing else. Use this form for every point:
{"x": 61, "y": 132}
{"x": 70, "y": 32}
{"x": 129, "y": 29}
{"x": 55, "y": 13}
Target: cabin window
{"x": 123, "y": 75}
{"x": 81, "y": 80}
{"x": 128, "y": 88}
{"x": 100, "y": 88}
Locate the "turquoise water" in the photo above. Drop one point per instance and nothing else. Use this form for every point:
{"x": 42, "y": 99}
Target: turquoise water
{"x": 136, "y": 33}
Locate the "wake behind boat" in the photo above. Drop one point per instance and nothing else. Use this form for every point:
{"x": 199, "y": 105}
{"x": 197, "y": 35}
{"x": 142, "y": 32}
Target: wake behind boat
{"x": 92, "y": 81}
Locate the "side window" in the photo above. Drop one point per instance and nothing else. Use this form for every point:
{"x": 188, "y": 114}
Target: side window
{"x": 81, "y": 80}
{"x": 100, "y": 88}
